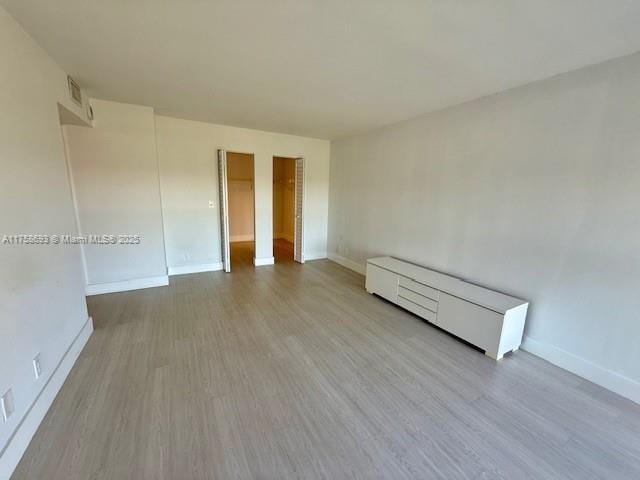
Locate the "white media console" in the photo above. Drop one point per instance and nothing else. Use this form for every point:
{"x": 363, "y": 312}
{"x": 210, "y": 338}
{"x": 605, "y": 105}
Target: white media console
{"x": 488, "y": 319}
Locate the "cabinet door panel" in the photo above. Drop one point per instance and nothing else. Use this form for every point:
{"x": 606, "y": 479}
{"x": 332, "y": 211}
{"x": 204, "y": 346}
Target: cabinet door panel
{"x": 382, "y": 282}
{"x": 469, "y": 321}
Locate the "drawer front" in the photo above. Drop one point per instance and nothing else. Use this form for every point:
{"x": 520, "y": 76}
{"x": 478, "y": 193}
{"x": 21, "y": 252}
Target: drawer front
{"x": 418, "y": 299}
{"x": 382, "y": 282}
{"x": 417, "y": 309}
{"x": 475, "y": 324}
{"x": 423, "y": 290}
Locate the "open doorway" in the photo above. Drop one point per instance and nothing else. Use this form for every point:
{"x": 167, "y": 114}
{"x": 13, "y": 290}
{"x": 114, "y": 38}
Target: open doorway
{"x": 284, "y": 170}
{"x": 288, "y": 180}
{"x": 241, "y": 204}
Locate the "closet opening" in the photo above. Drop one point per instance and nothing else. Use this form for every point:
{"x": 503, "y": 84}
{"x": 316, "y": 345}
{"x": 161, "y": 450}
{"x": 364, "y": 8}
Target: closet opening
{"x": 287, "y": 209}
{"x": 241, "y": 208}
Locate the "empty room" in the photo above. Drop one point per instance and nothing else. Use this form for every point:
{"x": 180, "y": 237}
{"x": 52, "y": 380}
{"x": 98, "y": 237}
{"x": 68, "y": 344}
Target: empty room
{"x": 306, "y": 239}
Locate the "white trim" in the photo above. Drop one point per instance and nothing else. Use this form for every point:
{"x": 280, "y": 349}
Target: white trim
{"x": 202, "y": 267}
{"x": 345, "y": 262}
{"x": 74, "y": 199}
{"x": 125, "y": 285}
{"x": 258, "y": 262}
{"x": 299, "y": 217}
{"x": 608, "y": 379}
{"x": 315, "y": 256}
{"x": 159, "y": 177}
{"x": 12, "y": 452}
{"x": 223, "y": 188}
{"x": 241, "y": 238}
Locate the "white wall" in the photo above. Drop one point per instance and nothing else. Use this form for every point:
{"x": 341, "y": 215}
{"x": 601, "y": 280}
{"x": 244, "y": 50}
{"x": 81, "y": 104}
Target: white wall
{"x": 115, "y": 174}
{"x": 189, "y": 179}
{"x": 42, "y": 305}
{"x": 534, "y": 192}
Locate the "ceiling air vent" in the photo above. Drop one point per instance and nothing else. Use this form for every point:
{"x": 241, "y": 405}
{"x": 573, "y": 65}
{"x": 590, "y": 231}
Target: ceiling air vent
{"x": 74, "y": 91}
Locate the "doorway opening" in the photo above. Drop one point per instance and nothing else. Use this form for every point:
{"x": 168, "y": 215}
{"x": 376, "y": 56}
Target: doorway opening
{"x": 288, "y": 176}
{"x": 241, "y": 208}
{"x": 283, "y": 208}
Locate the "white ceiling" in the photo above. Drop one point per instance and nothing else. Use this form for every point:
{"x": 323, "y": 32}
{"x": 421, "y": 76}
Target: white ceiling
{"x": 323, "y": 68}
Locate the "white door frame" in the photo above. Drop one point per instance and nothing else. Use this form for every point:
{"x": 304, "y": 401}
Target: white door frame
{"x": 223, "y": 187}
{"x": 224, "y": 206}
{"x": 298, "y": 231}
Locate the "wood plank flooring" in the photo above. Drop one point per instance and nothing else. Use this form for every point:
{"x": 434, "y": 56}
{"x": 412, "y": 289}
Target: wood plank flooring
{"x": 294, "y": 371}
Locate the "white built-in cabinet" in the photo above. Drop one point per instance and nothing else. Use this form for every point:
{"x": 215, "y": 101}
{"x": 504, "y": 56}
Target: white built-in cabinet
{"x": 488, "y": 319}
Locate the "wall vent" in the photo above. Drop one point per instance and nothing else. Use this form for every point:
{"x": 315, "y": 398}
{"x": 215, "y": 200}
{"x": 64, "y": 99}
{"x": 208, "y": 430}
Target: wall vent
{"x": 74, "y": 91}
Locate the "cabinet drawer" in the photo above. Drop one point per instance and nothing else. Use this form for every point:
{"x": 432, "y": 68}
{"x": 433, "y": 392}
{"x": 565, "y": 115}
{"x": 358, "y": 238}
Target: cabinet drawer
{"x": 382, "y": 282}
{"x": 417, "y": 309}
{"x": 423, "y": 290}
{"x": 418, "y": 299}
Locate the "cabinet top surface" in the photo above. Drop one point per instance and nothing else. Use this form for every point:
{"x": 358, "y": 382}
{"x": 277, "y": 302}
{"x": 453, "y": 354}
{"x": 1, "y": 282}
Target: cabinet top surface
{"x": 484, "y": 297}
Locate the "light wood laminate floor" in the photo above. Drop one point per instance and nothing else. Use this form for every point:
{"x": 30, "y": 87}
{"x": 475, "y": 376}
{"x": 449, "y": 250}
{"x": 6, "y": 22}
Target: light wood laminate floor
{"x": 294, "y": 371}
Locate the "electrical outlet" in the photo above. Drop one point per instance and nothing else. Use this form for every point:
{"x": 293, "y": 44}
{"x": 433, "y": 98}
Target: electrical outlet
{"x": 37, "y": 367}
{"x": 211, "y": 204}
{"x": 7, "y": 405}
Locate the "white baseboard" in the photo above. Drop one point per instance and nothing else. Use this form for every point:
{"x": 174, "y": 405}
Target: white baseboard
{"x": 19, "y": 441}
{"x": 241, "y": 238}
{"x": 315, "y": 256}
{"x": 125, "y": 285}
{"x": 203, "y": 267}
{"x": 345, "y": 262}
{"x": 584, "y": 368}
{"x": 258, "y": 262}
